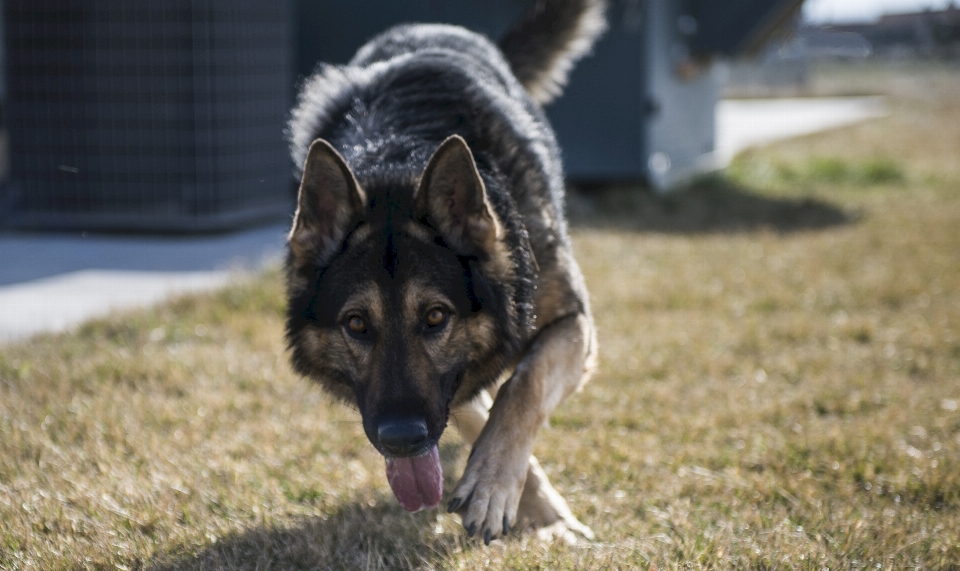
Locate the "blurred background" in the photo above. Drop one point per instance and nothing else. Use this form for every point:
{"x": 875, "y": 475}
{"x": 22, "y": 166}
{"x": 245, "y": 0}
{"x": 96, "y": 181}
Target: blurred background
{"x": 170, "y": 116}
{"x": 763, "y": 201}
{"x": 166, "y": 119}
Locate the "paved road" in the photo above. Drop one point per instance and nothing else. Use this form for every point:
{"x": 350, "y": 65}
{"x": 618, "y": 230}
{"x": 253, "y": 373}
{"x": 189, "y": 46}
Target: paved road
{"x": 50, "y": 282}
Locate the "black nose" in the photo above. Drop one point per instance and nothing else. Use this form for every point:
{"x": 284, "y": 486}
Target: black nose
{"x": 402, "y": 436}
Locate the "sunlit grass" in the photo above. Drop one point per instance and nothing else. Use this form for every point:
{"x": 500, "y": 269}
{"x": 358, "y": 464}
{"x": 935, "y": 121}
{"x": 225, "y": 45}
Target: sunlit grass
{"x": 836, "y": 171}
{"x": 779, "y": 387}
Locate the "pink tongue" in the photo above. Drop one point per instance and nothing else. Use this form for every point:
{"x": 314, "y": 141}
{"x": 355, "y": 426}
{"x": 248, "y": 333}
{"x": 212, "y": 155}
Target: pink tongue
{"x": 417, "y": 482}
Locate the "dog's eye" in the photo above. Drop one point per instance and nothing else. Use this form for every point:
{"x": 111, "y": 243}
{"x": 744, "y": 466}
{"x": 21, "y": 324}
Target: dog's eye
{"x": 435, "y": 317}
{"x": 356, "y": 325}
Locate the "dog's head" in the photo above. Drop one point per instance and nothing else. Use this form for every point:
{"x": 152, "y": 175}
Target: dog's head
{"x": 402, "y": 301}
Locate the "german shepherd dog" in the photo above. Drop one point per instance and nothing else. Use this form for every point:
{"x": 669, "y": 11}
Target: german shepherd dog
{"x": 430, "y": 276}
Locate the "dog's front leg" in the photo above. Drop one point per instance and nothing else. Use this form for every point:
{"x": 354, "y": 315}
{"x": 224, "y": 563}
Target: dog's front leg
{"x": 541, "y": 506}
{"x": 554, "y": 365}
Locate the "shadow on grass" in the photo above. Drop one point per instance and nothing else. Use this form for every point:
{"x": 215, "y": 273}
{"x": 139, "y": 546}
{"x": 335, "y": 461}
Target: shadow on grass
{"x": 710, "y": 205}
{"x": 357, "y": 536}
{"x": 376, "y": 534}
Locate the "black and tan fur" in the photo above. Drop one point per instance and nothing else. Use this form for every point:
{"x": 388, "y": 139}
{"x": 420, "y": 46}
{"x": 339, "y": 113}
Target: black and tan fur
{"x": 432, "y": 187}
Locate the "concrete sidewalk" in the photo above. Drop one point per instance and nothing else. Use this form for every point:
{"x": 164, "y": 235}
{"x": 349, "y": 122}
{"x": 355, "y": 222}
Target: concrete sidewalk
{"x": 51, "y": 282}
{"x": 745, "y": 123}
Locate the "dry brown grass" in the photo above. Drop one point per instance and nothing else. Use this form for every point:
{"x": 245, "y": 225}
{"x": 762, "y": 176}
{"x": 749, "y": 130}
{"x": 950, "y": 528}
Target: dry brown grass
{"x": 779, "y": 388}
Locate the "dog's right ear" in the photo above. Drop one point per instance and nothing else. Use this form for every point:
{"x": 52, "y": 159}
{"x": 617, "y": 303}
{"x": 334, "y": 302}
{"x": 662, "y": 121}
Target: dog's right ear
{"x": 329, "y": 198}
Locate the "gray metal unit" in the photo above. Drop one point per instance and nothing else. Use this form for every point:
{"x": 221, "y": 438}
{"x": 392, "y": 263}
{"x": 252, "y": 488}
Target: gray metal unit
{"x": 600, "y": 118}
{"x": 147, "y": 115}
{"x": 628, "y": 112}
{"x": 643, "y": 106}
{"x": 683, "y": 94}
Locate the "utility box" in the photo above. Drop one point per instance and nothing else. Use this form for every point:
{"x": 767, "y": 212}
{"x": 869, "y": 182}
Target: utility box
{"x": 642, "y": 107}
{"x": 147, "y": 115}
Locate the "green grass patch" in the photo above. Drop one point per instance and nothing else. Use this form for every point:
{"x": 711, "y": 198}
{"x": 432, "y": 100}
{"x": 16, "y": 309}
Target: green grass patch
{"x": 831, "y": 171}
{"x": 876, "y": 171}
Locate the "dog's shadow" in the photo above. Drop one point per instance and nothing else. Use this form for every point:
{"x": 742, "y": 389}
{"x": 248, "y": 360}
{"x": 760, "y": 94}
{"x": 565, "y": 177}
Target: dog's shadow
{"x": 710, "y": 205}
{"x": 357, "y": 536}
{"x": 376, "y": 534}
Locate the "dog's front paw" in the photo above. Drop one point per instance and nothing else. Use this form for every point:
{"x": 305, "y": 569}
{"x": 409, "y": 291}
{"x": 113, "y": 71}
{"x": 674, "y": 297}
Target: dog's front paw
{"x": 489, "y": 492}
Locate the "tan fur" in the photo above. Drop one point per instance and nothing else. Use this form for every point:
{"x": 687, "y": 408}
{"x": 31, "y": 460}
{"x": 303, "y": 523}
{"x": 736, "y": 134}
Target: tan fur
{"x": 540, "y": 506}
{"x": 426, "y": 356}
{"x": 366, "y": 301}
{"x": 359, "y": 235}
{"x": 480, "y": 332}
{"x": 419, "y": 231}
{"x": 554, "y": 366}
{"x": 332, "y": 348}
{"x": 498, "y": 264}
{"x": 418, "y": 298}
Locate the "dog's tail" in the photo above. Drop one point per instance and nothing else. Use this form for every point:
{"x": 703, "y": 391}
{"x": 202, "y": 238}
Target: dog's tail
{"x": 550, "y": 37}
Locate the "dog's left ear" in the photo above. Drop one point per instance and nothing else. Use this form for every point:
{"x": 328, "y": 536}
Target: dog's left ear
{"x": 452, "y": 196}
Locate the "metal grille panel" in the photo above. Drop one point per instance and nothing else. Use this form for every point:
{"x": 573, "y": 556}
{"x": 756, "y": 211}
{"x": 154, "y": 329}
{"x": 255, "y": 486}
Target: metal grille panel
{"x": 147, "y": 115}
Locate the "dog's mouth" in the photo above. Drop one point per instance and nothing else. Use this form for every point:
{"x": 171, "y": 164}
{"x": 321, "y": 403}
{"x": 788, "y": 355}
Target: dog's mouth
{"x": 417, "y": 481}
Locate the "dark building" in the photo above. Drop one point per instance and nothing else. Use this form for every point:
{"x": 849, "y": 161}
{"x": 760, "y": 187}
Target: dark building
{"x": 169, "y": 116}
{"x": 930, "y": 33}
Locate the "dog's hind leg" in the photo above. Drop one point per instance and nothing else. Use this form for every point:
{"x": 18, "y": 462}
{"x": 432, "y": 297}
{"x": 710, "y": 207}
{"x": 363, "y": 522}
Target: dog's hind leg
{"x": 559, "y": 359}
{"x": 542, "y": 507}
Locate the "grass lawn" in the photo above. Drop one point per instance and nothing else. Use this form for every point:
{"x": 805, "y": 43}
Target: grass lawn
{"x": 779, "y": 387}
